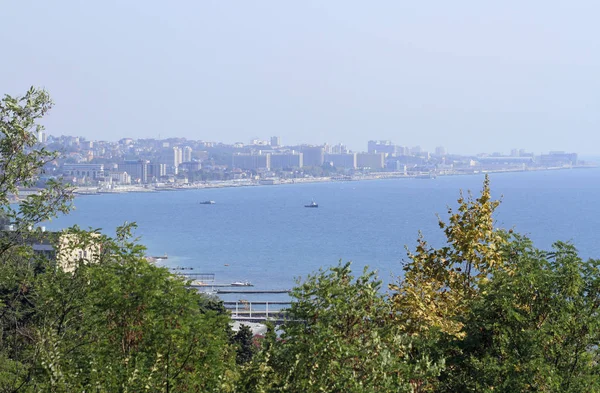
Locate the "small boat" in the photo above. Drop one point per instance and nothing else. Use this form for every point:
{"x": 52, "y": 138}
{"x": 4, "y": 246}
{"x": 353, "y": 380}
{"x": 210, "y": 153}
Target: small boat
{"x": 312, "y": 204}
{"x": 160, "y": 257}
{"x": 207, "y": 203}
{"x": 241, "y": 284}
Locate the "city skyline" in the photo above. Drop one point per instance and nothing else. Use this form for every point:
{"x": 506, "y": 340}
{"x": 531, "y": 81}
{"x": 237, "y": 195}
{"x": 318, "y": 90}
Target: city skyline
{"x": 471, "y": 77}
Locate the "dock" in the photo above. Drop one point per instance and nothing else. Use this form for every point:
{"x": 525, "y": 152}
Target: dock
{"x": 249, "y": 292}
{"x": 258, "y": 311}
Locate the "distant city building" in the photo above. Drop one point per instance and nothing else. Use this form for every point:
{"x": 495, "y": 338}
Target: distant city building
{"x": 120, "y": 177}
{"x": 402, "y": 151}
{"x": 90, "y": 171}
{"x": 275, "y": 141}
{"x": 504, "y": 160}
{"x": 440, "y": 151}
{"x": 177, "y": 156}
{"x": 287, "y": 160}
{"x": 339, "y": 149}
{"x": 514, "y": 153}
{"x": 558, "y": 158}
{"x": 342, "y": 161}
{"x": 186, "y": 154}
{"x": 156, "y": 170}
{"x": 415, "y": 151}
{"x": 373, "y": 161}
{"x": 258, "y": 142}
{"x": 386, "y": 147}
{"x": 137, "y": 169}
{"x": 251, "y": 161}
{"x": 190, "y": 166}
{"x": 313, "y": 156}
{"x": 42, "y": 138}
{"x": 171, "y": 157}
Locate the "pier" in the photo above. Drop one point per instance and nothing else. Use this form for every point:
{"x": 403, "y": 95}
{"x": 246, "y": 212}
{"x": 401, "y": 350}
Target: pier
{"x": 257, "y": 311}
{"x": 203, "y": 277}
{"x": 250, "y": 292}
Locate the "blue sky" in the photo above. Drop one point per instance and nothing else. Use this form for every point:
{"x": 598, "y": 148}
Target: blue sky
{"x": 472, "y": 76}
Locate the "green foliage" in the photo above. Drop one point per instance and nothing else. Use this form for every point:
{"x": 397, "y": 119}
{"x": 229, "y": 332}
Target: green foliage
{"x": 340, "y": 338}
{"x": 123, "y": 324}
{"x": 244, "y": 341}
{"x": 22, "y": 160}
{"x": 533, "y": 329}
{"x": 438, "y": 283}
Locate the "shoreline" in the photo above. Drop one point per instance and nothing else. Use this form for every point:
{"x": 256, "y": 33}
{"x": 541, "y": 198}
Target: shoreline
{"x": 95, "y": 190}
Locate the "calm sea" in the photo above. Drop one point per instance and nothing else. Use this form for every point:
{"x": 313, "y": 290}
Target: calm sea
{"x": 265, "y": 235}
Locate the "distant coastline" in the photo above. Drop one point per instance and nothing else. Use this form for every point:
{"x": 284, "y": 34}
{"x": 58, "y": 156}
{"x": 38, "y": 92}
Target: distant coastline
{"x": 165, "y": 187}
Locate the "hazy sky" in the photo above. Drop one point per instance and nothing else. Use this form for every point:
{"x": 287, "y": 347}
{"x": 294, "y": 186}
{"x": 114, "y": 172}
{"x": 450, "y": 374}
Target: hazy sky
{"x": 472, "y": 76}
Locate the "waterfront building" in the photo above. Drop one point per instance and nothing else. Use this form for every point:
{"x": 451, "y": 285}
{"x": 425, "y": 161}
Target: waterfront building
{"x": 120, "y": 177}
{"x": 251, "y": 161}
{"x": 374, "y": 161}
{"x": 156, "y": 170}
{"x": 343, "y": 161}
{"x": 137, "y": 169}
{"x": 558, "y": 158}
{"x": 313, "y": 155}
{"x": 286, "y": 160}
{"x": 190, "y": 166}
{"x": 90, "y": 171}
{"x": 171, "y": 157}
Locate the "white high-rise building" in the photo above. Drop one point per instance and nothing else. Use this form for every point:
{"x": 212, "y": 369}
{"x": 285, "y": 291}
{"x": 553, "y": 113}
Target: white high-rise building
{"x": 187, "y": 154}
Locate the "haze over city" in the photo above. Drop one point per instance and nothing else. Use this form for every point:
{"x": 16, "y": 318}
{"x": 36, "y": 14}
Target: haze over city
{"x": 470, "y": 76}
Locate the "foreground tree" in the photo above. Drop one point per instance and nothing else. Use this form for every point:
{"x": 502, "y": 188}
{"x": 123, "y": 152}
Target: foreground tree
{"x": 438, "y": 283}
{"x": 340, "y": 338}
{"x": 21, "y": 163}
{"x": 504, "y": 315}
{"x": 533, "y": 329}
{"x": 112, "y": 322}
{"x": 119, "y": 323}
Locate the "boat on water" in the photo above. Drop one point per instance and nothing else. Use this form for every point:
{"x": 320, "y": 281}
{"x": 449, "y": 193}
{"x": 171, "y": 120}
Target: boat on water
{"x": 312, "y": 204}
{"x": 241, "y": 284}
{"x": 207, "y": 203}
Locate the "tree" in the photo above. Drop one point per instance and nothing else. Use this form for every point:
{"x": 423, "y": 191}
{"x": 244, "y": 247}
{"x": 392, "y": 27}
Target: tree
{"x": 244, "y": 340}
{"x": 119, "y": 323}
{"x": 535, "y": 328}
{"x": 114, "y": 322}
{"x": 21, "y": 162}
{"x": 438, "y": 283}
{"x": 340, "y": 338}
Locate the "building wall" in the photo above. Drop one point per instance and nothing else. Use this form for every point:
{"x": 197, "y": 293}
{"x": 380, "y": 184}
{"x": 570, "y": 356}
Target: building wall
{"x": 93, "y": 171}
{"x": 313, "y": 156}
{"x": 73, "y": 248}
{"x": 138, "y": 170}
{"x": 251, "y": 161}
{"x": 381, "y": 147}
{"x": 290, "y": 160}
{"x": 370, "y": 160}
{"x": 346, "y": 161}
{"x": 187, "y": 154}
{"x": 156, "y": 170}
